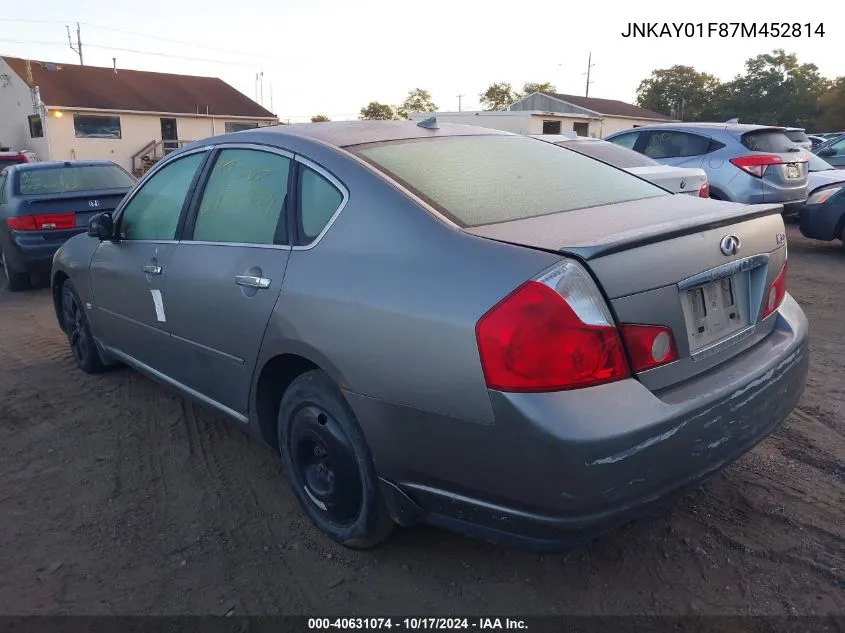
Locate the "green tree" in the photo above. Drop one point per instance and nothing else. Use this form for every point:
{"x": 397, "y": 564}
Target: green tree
{"x": 775, "y": 90}
{"x": 498, "y": 96}
{"x": 529, "y": 88}
{"x": 319, "y": 118}
{"x": 831, "y": 107}
{"x": 375, "y": 111}
{"x": 681, "y": 92}
{"x": 418, "y": 100}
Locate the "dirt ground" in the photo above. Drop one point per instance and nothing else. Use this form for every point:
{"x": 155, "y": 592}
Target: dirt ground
{"x": 119, "y": 497}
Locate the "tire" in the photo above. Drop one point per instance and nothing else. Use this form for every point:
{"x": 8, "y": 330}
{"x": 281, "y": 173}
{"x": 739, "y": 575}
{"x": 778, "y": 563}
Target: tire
{"x": 14, "y": 281}
{"x": 78, "y": 332}
{"x": 328, "y": 463}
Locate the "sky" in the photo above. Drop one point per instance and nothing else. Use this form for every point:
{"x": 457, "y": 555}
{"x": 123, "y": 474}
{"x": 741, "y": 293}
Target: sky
{"x": 332, "y": 57}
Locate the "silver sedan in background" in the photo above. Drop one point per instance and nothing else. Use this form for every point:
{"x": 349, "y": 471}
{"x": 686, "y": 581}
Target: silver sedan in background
{"x": 446, "y": 324}
{"x": 684, "y": 180}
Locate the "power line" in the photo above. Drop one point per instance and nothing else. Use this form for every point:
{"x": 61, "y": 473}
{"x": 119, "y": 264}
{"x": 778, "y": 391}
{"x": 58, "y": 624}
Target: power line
{"x": 156, "y": 53}
{"x": 33, "y": 42}
{"x": 172, "y": 41}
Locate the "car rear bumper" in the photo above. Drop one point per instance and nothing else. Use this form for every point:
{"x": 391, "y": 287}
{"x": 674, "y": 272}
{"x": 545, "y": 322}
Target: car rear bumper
{"x": 558, "y": 468}
{"x": 34, "y": 252}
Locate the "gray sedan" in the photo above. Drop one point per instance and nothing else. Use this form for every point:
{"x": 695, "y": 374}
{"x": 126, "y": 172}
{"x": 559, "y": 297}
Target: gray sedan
{"x": 446, "y": 324}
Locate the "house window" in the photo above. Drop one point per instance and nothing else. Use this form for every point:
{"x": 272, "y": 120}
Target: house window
{"x": 239, "y": 127}
{"x": 581, "y": 128}
{"x": 551, "y": 127}
{"x": 95, "y": 126}
{"x": 36, "y": 127}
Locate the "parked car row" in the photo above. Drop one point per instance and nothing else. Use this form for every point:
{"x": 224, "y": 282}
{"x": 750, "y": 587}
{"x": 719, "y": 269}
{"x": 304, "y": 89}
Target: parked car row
{"x": 446, "y": 324}
{"x": 755, "y": 164}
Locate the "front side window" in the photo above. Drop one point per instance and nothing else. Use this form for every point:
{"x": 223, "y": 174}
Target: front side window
{"x": 244, "y": 198}
{"x": 675, "y": 144}
{"x": 153, "y": 212}
{"x": 239, "y": 126}
{"x": 625, "y": 140}
{"x": 477, "y": 180}
{"x": 95, "y": 126}
{"x": 319, "y": 199}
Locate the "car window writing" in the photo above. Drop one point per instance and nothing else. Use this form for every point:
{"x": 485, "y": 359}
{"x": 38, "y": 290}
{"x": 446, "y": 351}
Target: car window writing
{"x": 244, "y": 197}
{"x": 319, "y": 201}
{"x": 153, "y": 213}
{"x": 675, "y": 144}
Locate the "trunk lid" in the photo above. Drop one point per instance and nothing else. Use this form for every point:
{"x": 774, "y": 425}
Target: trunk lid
{"x": 684, "y": 180}
{"x": 661, "y": 262}
{"x": 84, "y": 204}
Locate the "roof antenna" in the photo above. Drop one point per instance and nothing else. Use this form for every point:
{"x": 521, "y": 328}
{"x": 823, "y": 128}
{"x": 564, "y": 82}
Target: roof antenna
{"x": 732, "y": 121}
{"x": 430, "y": 123}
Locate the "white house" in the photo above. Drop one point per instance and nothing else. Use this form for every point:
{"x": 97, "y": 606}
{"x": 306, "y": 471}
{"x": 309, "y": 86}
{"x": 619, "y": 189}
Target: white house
{"x": 66, "y": 111}
{"x": 552, "y": 113}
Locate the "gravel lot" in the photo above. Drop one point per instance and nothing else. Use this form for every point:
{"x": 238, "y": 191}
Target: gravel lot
{"x": 119, "y": 497}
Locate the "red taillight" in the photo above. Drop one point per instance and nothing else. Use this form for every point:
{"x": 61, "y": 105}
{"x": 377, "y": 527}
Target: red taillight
{"x": 21, "y": 222}
{"x": 44, "y": 222}
{"x": 649, "y": 346}
{"x": 704, "y": 192}
{"x": 756, "y": 164}
{"x": 776, "y": 293}
{"x": 550, "y": 334}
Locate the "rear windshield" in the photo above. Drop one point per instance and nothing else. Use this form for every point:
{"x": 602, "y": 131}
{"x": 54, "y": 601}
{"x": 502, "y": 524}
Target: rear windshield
{"x": 476, "y": 180}
{"x": 797, "y": 136}
{"x": 616, "y": 155}
{"x": 768, "y": 141}
{"x": 5, "y": 161}
{"x": 34, "y": 182}
{"x": 816, "y": 163}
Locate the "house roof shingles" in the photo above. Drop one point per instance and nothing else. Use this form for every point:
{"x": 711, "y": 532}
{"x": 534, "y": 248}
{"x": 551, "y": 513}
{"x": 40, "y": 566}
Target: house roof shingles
{"x": 72, "y": 86}
{"x": 610, "y": 107}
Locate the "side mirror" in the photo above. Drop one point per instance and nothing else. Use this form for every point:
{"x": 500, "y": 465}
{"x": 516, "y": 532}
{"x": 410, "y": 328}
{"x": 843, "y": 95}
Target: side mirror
{"x": 101, "y": 226}
{"x": 827, "y": 151}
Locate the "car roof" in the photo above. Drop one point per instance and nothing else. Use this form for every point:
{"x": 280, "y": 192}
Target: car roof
{"x": 738, "y": 128}
{"x": 559, "y": 138}
{"x": 349, "y": 133}
{"x": 53, "y": 164}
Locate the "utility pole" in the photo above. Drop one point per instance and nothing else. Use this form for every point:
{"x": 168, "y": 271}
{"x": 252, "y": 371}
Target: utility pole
{"x": 78, "y": 49}
{"x": 262, "y": 87}
{"x": 459, "y": 101}
{"x": 590, "y": 65}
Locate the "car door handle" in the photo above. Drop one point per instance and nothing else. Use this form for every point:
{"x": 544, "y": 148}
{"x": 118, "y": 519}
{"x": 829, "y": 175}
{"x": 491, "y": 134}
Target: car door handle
{"x": 152, "y": 270}
{"x": 252, "y": 282}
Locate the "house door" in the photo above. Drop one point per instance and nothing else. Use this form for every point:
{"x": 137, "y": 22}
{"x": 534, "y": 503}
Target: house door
{"x": 169, "y": 133}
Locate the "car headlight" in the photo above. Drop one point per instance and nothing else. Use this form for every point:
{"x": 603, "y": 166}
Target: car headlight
{"x": 820, "y": 197}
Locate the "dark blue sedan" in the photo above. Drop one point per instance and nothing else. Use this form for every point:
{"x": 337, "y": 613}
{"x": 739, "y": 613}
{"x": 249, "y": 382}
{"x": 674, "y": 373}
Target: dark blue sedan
{"x": 44, "y": 204}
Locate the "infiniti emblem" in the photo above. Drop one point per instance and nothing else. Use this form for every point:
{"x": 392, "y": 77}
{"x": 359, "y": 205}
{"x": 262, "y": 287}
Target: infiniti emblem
{"x": 683, "y": 183}
{"x": 730, "y": 245}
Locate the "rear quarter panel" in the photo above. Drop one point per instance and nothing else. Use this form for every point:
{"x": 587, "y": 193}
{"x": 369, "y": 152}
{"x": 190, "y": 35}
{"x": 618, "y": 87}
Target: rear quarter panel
{"x": 388, "y": 300}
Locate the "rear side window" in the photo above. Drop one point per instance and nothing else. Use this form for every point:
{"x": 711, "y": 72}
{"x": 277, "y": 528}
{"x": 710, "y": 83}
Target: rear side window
{"x": 35, "y": 182}
{"x": 626, "y": 140}
{"x": 244, "y": 198}
{"x": 476, "y": 180}
{"x": 670, "y": 144}
{"x": 2, "y": 186}
{"x": 797, "y": 136}
{"x": 319, "y": 199}
{"x": 616, "y": 155}
{"x": 767, "y": 141}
